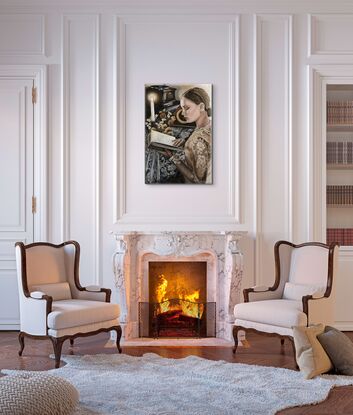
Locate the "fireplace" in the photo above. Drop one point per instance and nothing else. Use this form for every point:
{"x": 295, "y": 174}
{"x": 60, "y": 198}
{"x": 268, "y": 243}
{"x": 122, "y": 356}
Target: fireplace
{"x": 213, "y": 256}
{"x": 177, "y": 305}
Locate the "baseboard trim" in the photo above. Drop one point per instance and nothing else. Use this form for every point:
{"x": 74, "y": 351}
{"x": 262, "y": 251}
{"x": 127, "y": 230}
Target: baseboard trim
{"x": 343, "y": 326}
{"x": 7, "y": 327}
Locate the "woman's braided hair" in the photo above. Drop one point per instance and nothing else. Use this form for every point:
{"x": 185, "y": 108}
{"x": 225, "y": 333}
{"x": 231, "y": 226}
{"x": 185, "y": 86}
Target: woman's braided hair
{"x": 198, "y": 96}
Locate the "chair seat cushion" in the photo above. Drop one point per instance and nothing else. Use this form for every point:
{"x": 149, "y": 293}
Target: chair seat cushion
{"x": 73, "y": 313}
{"x": 283, "y": 313}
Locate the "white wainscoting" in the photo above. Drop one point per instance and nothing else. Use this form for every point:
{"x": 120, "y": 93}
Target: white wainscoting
{"x": 99, "y": 57}
{"x": 330, "y": 34}
{"x": 22, "y": 34}
{"x": 81, "y": 140}
{"x": 273, "y": 129}
{"x": 211, "y": 57}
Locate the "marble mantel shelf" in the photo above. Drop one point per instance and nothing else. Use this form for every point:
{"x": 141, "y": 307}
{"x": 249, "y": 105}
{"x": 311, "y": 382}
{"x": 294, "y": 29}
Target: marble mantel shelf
{"x": 219, "y": 249}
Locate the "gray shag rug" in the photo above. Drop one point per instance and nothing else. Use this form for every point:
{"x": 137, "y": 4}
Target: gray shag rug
{"x": 129, "y": 385}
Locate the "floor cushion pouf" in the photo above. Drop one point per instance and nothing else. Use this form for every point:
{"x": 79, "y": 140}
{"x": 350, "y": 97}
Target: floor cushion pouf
{"x": 36, "y": 393}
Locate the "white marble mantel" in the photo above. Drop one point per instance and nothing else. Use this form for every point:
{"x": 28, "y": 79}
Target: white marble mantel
{"x": 220, "y": 250}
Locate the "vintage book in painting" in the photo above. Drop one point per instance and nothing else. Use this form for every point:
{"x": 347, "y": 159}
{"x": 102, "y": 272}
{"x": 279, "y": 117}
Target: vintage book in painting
{"x": 178, "y": 133}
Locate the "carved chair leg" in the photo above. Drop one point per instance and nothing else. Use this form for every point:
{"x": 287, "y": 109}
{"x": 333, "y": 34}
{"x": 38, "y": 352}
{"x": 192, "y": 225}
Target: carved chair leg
{"x": 71, "y": 342}
{"x": 57, "y": 345}
{"x": 294, "y": 353}
{"x": 235, "y": 336}
{"x": 118, "y": 337}
{"x": 21, "y": 339}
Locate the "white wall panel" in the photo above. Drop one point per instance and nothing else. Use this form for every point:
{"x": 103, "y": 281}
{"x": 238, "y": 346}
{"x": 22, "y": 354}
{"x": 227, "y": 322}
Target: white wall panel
{"x": 22, "y": 34}
{"x": 330, "y": 34}
{"x": 273, "y": 129}
{"x": 206, "y": 51}
{"x": 252, "y": 83}
{"x": 81, "y": 139}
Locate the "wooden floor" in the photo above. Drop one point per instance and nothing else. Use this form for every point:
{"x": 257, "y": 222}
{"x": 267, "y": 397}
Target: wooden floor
{"x": 263, "y": 351}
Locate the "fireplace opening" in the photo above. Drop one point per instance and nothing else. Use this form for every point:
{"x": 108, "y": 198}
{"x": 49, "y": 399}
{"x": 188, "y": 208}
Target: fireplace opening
{"x": 177, "y": 305}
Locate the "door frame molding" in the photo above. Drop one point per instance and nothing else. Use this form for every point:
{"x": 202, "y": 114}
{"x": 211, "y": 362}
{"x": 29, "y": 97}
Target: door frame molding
{"x": 319, "y": 76}
{"x": 37, "y": 73}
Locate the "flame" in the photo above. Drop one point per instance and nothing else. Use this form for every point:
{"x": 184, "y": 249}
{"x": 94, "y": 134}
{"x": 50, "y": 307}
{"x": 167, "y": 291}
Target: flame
{"x": 188, "y": 301}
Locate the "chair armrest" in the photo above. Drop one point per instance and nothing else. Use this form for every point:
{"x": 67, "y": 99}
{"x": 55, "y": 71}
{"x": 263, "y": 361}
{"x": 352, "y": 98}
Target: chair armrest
{"x": 260, "y": 288}
{"x": 256, "y": 288}
{"x": 259, "y": 293}
{"x": 95, "y": 293}
{"x": 34, "y": 311}
{"x": 37, "y": 294}
{"x": 319, "y": 310}
{"x": 93, "y": 288}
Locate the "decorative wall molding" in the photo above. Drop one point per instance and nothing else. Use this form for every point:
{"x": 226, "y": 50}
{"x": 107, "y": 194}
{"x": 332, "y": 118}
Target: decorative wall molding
{"x": 67, "y": 110}
{"x": 22, "y": 34}
{"x": 343, "y": 36}
{"x": 120, "y": 214}
{"x": 119, "y": 120}
{"x": 37, "y": 73}
{"x": 260, "y": 266}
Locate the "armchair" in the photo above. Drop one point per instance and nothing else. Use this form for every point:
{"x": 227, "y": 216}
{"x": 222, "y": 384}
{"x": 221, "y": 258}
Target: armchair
{"x": 53, "y": 304}
{"x": 302, "y": 293}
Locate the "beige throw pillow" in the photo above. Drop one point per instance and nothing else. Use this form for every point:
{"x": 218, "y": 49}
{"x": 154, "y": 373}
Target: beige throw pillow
{"x": 311, "y": 356}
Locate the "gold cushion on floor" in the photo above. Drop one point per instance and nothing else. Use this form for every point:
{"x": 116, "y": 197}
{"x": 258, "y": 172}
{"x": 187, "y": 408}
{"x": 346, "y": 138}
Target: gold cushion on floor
{"x": 311, "y": 356}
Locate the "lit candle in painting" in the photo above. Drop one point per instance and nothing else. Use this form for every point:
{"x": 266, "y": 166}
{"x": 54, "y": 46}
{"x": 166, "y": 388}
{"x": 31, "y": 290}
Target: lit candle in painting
{"x": 153, "y": 116}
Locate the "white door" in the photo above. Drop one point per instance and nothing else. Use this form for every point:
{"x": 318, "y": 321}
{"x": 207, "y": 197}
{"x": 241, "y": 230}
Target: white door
{"x": 16, "y": 187}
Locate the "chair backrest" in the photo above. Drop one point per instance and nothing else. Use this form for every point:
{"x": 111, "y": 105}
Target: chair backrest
{"x": 309, "y": 265}
{"x": 308, "y": 269}
{"x": 48, "y": 268}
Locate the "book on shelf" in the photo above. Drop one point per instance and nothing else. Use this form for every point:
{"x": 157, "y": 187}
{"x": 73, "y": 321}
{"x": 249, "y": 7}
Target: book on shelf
{"x": 160, "y": 140}
{"x": 339, "y": 112}
{"x": 339, "y": 195}
{"x": 339, "y": 152}
{"x": 344, "y": 236}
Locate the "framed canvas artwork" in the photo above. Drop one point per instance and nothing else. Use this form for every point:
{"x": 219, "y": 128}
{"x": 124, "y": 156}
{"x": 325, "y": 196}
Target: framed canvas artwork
{"x": 178, "y": 134}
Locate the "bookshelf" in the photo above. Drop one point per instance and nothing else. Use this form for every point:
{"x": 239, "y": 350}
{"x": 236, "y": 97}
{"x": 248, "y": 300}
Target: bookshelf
{"x": 339, "y": 164}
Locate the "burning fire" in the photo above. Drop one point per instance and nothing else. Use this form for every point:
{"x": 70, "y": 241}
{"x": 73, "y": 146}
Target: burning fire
{"x": 188, "y": 302}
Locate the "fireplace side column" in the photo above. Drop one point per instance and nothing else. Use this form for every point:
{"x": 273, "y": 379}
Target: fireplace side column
{"x": 120, "y": 261}
{"x": 234, "y": 277}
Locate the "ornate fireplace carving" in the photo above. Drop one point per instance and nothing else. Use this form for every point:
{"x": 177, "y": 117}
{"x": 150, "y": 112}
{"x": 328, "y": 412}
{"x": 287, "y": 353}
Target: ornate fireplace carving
{"x": 224, "y": 270}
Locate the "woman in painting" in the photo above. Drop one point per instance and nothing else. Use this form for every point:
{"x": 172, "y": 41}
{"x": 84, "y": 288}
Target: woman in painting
{"x": 195, "y": 163}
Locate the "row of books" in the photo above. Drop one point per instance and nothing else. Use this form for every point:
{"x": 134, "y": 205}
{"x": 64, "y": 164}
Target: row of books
{"x": 339, "y": 195}
{"x": 339, "y": 112}
{"x": 339, "y": 152}
{"x": 342, "y": 236}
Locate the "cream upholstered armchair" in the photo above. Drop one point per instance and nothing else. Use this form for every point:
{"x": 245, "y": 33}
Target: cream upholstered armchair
{"x": 53, "y": 304}
{"x": 301, "y": 295}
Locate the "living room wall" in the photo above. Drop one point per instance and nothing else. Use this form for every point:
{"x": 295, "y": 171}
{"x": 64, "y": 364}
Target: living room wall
{"x": 99, "y": 55}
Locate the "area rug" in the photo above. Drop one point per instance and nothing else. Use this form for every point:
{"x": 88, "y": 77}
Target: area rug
{"x": 128, "y": 385}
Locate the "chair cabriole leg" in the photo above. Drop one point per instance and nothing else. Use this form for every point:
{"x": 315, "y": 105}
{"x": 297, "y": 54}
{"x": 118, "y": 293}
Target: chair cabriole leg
{"x": 21, "y": 339}
{"x": 294, "y": 353}
{"x": 235, "y": 336}
{"x": 118, "y": 337}
{"x": 57, "y": 345}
